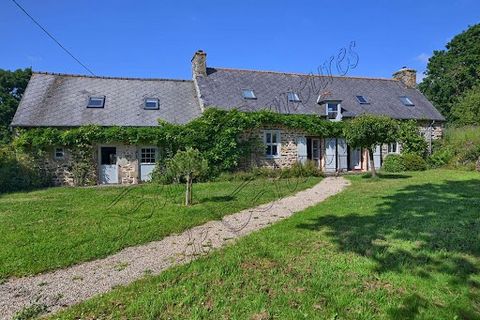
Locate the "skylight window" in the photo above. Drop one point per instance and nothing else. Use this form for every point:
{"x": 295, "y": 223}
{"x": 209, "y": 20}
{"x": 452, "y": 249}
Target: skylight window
{"x": 248, "y": 94}
{"x": 362, "y": 100}
{"x": 151, "y": 104}
{"x": 406, "y": 101}
{"x": 96, "y": 102}
{"x": 293, "y": 97}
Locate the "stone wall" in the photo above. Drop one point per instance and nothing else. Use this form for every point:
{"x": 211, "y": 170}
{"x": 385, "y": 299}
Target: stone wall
{"x": 63, "y": 171}
{"x": 127, "y": 161}
{"x": 288, "y": 149}
{"x": 430, "y": 131}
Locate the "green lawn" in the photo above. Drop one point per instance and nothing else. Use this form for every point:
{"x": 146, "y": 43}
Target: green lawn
{"x": 400, "y": 247}
{"x": 57, "y": 227}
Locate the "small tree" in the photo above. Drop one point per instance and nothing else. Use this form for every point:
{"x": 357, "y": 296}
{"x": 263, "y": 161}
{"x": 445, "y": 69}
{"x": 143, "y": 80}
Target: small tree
{"x": 368, "y": 131}
{"x": 188, "y": 165}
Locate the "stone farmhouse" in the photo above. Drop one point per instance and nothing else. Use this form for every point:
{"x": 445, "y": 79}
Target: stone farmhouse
{"x": 66, "y": 101}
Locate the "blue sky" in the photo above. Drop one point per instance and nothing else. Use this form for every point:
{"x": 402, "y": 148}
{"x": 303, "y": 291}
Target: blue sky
{"x": 158, "y": 38}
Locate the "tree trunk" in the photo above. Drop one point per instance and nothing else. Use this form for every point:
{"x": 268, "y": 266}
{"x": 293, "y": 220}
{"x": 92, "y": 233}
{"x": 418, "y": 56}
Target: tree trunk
{"x": 372, "y": 162}
{"x": 188, "y": 193}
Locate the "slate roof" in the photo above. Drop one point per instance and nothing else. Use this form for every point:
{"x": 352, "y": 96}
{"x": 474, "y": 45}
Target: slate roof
{"x": 222, "y": 88}
{"x": 60, "y": 100}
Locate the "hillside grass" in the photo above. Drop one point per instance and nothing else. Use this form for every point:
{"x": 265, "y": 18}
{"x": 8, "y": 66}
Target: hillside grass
{"x": 57, "y": 227}
{"x": 402, "y": 246}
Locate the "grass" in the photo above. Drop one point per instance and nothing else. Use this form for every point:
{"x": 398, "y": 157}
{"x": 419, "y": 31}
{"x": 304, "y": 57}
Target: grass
{"x": 57, "y": 227}
{"x": 402, "y": 246}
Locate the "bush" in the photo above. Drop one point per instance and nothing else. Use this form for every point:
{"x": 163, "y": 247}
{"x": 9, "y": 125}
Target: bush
{"x": 393, "y": 163}
{"x": 19, "y": 173}
{"x": 441, "y": 157}
{"x": 460, "y": 148}
{"x": 298, "y": 170}
{"x": 413, "y": 162}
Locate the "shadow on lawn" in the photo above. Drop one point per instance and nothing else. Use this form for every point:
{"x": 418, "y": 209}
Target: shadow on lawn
{"x": 423, "y": 230}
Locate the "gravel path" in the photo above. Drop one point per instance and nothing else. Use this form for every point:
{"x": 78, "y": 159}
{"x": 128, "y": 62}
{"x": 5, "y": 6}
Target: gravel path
{"x": 65, "y": 287}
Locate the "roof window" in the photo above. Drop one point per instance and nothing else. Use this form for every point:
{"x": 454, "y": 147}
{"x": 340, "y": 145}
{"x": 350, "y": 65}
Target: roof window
{"x": 362, "y": 100}
{"x": 151, "y": 104}
{"x": 406, "y": 101}
{"x": 96, "y": 102}
{"x": 293, "y": 97}
{"x": 248, "y": 94}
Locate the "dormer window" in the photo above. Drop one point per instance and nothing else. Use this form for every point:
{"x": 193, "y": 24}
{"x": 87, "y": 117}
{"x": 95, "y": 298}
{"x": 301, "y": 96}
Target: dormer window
{"x": 362, "y": 100}
{"x": 151, "y": 104}
{"x": 248, "y": 94}
{"x": 293, "y": 97}
{"x": 406, "y": 101}
{"x": 96, "y": 102}
{"x": 333, "y": 110}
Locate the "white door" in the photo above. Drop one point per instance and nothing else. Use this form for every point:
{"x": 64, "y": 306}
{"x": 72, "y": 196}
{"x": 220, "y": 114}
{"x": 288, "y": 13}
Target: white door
{"x": 108, "y": 165}
{"x": 148, "y": 157}
{"x": 330, "y": 154}
{"x": 302, "y": 150}
{"x": 377, "y": 157}
{"x": 342, "y": 154}
{"x": 355, "y": 159}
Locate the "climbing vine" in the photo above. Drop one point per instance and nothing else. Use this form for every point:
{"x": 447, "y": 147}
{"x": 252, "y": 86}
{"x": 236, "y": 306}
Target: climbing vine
{"x": 216, "y": 134}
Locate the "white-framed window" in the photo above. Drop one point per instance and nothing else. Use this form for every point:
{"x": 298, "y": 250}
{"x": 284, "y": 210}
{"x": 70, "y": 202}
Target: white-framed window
{"x": 148, "y": 155}
{"x": 96, "y": 102}
{"x": 393, "y": 147}
{"x": 406, "y": 101}
{"x": 293, "y": 97}
{"x": 59, "y": 153}
{"x": 272, "y": 143}
{"x": 333, "y": 109}
{"x": 151, "y": 104}
{"x": 248, "y": 94}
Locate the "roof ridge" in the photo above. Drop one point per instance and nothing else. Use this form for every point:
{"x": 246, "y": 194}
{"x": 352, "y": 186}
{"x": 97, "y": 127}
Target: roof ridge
{"x": 107, "y": 77}
{"x": 303, "y": 74}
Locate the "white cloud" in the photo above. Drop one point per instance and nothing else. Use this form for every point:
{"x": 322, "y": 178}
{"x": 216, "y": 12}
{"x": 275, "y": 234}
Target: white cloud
{"x": 423, "y": 57}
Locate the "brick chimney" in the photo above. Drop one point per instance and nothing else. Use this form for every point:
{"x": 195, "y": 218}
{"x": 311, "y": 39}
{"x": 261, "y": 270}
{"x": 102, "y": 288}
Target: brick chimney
{"x": 407, "y": 76}
{"x": 199, "y": 64}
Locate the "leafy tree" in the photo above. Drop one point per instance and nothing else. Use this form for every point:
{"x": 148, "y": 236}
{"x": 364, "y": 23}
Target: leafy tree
{"x": 12, "y": 87}
{"x": 453, "y": 71}
{"x": 467, "y": 110}
{"x": 188, "y": 165}
{"x": 411, "y": 139}
{"x": 368, "y": 131}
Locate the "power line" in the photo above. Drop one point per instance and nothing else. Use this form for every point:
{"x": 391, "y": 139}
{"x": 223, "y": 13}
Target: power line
{"x": 53, "y": 38}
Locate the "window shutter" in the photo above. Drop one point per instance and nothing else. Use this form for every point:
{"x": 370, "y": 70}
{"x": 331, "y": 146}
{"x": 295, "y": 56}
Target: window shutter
{"x": 342, "y": 155}
{"x": 302, "y": 149}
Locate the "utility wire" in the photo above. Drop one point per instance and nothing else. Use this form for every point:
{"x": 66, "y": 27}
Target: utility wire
{"x": 52, "y": 37}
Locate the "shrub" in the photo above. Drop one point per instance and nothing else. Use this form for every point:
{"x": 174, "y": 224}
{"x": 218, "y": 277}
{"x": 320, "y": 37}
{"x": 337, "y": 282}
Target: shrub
{"x": 393, "y": 163}
{"x": 441, "y": 157}
{"x": 411, "y": 139}
{"x": 298, "y": 170}
{"x": 413, "y": 162}
{"x": 19, "y": 173}
{"x": 460, "y": 148}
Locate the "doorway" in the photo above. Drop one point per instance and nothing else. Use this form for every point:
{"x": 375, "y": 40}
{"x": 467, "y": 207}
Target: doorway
{"x": 314, "y": 151}
{"x": 108, "y": 165}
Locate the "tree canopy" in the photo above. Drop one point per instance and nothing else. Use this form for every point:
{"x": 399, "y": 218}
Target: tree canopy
{"x": 12, "y": 87}
{"x": 452, "y": 72}
{"x": 467, "y": 110}
{"x": 368, "y": 131}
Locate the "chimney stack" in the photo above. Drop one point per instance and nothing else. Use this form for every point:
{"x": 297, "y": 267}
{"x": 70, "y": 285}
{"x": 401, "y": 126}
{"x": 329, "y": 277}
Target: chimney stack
{"x": 199, "y": 64}
{"x": 407, "y": 76}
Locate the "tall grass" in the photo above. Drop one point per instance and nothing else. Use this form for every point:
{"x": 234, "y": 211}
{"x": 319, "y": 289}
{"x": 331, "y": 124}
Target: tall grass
{"x": 460, "y": 148}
